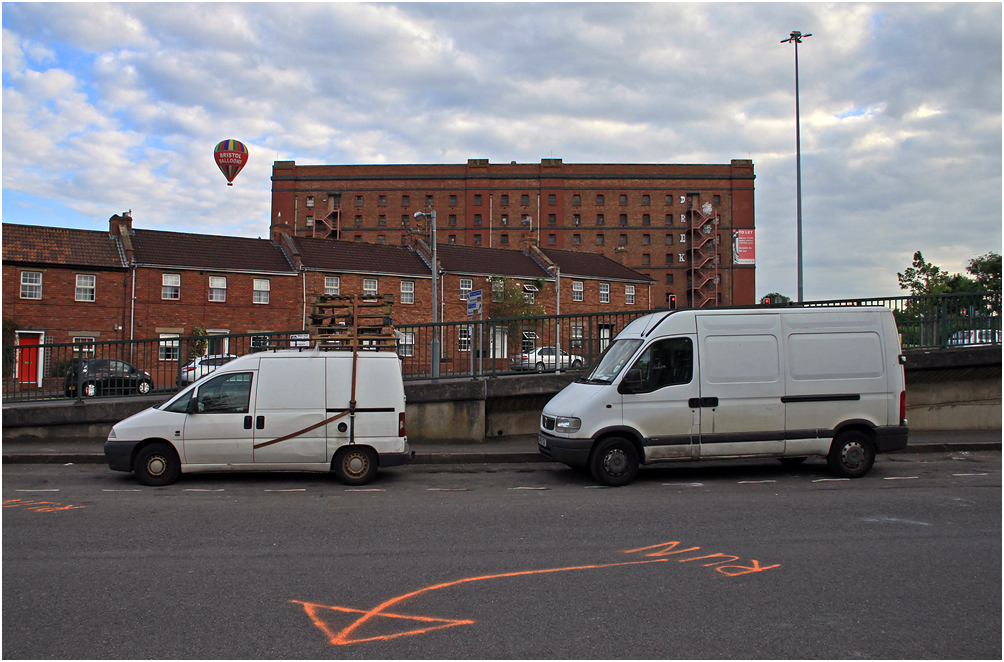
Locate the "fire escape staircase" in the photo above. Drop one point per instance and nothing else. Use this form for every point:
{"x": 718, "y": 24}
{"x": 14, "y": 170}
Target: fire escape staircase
{"x": 704, "y": 276}
{"x": 328, "y": 225}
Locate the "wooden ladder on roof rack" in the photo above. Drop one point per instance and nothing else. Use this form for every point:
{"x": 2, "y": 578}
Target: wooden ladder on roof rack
{"x": 352, "y": 322}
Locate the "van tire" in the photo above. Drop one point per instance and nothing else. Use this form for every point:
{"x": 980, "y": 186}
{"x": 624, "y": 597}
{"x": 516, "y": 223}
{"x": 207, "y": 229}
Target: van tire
{"x": 355, "y": 465}
{"x": 614, "y": 462}
{"x": 852, "y": 454}
{"x": 157, "y": 465}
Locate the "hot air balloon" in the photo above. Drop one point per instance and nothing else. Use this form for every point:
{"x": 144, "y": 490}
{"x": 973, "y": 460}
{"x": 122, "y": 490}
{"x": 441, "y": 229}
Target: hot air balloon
{"x": 231, "y": 155}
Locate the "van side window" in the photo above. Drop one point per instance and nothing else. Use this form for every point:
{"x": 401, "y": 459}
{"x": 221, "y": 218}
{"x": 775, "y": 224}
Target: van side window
{"x": 665, "y": 363}
{"x": 225, "y": 394}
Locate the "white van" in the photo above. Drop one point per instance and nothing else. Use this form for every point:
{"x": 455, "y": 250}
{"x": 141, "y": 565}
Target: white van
{"x": 286, "y": 410}
{"x": 736, "y": 383}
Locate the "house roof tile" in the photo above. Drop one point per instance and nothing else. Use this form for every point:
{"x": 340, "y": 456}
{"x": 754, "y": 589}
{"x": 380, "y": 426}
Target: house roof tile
{"x": 332, "y": 255}
{"x": 206, "y": 251}
{"x": 488, "y": 261}
{"x": 31, "y": 244}
{"x": 592, "y": 265}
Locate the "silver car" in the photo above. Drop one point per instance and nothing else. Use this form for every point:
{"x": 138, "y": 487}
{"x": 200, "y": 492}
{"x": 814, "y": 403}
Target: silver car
{"x": 542, "y": 359}
{"x": 202, "y": 366}
{"x": 975, "y": 337}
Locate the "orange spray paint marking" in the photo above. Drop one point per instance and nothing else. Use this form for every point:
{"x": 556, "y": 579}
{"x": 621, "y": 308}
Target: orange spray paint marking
{"x": 344, "y": 636}
{"x": 38, "y": 506}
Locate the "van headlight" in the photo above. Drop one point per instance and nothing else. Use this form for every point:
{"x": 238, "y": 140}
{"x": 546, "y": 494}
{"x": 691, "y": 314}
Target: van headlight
{"x": 566, "y": 424}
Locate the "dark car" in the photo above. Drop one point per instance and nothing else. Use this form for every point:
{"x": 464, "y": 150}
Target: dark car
{"x": 106, "y": 377}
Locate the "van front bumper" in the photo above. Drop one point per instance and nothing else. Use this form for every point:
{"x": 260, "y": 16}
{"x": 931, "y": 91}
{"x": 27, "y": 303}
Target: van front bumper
{"x": 573, "y": 452}
{"x": 119, "y": 454}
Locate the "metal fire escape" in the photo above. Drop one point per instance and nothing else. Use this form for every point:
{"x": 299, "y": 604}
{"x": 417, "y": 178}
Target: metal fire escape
{"x": 704, "y": 277}
{"x": 330, "y": 224}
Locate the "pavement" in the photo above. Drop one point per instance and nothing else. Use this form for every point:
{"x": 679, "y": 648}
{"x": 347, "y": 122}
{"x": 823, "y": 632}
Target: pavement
{"x": 511, "y": 449}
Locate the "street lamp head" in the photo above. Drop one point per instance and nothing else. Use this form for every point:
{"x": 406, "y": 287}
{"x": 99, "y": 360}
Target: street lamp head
{"x": 796, "y": 37}
{"x": 419, "y": 215}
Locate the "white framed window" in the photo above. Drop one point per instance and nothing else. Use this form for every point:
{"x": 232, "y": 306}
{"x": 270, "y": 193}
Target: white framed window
{"x": 170, "y": 286}
{"x": 84, "y": 345}
{"x": 407, "y": 291}
{"x": 217, "y": 288}
{"x": 86, "y": 287}
{"x": 529, "y": 341}
{"x": 529, "y": 292}
{"x": 577, "y": 335}
{"x": 369, "y": 287}
{"x": 466, "y": 285}
{"x": 629, "y": 294}
{"x": 576, "y": 290}
{"x": 169, "y": 350}
{"x": 31, "y": 284}
{"x": 332, "y": 285}
{"x": 464, "y": 339}
{"x": 262, "y": 287}
{"x": 604, "y": 292}
{"x": 406, "y": 343}
{"x": 498, "y": 289}
{"x": 310, "y": 201}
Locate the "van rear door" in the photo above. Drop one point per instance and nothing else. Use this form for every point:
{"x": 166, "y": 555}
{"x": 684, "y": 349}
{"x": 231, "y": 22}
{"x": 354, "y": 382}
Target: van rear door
{"x": 742, "y": 383}
{"x": 289, "y": 402}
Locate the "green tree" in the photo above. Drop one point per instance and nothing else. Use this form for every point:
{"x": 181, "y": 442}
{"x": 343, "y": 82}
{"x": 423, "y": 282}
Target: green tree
{"x": 509, "y": 299}
{"x": 777, "y": 297}
{"x": 986, "y": 269}
{"x": 924, "y": 278}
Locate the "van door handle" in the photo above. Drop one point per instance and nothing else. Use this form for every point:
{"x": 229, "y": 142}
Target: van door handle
{"x": 260, "y": 423}
{"x": 697, "y": 403}
{"x": 247, "y": 422}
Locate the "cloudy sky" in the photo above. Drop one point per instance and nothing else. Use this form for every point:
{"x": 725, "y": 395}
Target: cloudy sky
{"x": 109, "y": 107}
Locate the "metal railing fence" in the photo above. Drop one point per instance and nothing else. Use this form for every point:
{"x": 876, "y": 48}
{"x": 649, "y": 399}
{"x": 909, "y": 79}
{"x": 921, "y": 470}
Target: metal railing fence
{"x": 470, "y": 349}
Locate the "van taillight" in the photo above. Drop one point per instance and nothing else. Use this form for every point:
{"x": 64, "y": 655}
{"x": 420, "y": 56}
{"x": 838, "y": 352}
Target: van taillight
{"x": 902, "y": 407}
{"x": 400, "y": 425}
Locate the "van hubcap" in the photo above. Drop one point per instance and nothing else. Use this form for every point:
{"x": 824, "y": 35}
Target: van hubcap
{"x": 615, "y": 462}
{"x": 356, "y": 464}
{"x": 156, "y": 465}
{"x": 853, "y": 455}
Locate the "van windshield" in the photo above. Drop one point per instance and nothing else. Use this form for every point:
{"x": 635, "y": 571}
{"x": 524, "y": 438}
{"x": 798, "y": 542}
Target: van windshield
{"x": 612, "y": 361}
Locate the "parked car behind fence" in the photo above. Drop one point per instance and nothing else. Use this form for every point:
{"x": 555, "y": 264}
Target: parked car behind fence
{"x": 542, "y": 359}
{"x": 105, "y": 377}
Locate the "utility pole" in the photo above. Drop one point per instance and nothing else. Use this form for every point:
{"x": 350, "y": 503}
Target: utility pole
{"x": 796, "y": 38}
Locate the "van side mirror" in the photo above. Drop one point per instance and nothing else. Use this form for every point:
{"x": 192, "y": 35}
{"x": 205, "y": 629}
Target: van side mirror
{"x": 193, "y": 406}
{"x": 632, "y": 382}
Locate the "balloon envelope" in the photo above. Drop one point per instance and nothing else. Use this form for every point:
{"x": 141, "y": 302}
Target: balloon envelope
{"x": 231, "y": 155}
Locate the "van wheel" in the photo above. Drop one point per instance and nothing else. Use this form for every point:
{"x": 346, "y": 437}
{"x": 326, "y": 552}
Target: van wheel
{"x": 157, "y": 465}
{"x": 614, "y": 462}
{"x": 851, "y": 455}
{"x": 355, "y": 465}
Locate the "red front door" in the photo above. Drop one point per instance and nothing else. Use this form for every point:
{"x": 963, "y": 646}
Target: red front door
{"x": 27, "y": 361}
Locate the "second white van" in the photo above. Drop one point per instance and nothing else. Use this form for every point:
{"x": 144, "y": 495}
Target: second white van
{"x": 686, "y": 385}
{"x": 286, "y": 410}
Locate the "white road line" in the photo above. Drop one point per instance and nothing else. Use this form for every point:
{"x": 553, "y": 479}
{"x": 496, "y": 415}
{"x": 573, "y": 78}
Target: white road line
{"x": 828, "y": 480}
{"x": 900, "y": 477}
{"x": 45, "y": 490}
{"x": 683, "y": 484}
{"x": 529, "y": 488}
{"x": 121, "y": 490}
{"x": 296, "y": 489}
{"x": 969, "y": 474}
{"x": 365, "y": 489}
{"x": 198, "y": 489}
{"x": 753, "y": 482}
{"x": 446, "y": 489}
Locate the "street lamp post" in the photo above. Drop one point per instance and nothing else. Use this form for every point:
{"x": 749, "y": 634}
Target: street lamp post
{"x": 435, "y": 347}
{"x": 796, "y": 38}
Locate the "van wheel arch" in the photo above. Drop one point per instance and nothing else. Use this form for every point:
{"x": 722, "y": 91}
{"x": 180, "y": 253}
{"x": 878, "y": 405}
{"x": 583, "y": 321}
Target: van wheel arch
{"x": 600, "y": 444}
{"x": 852, "y": 453}
{"x": 169, "y": 467}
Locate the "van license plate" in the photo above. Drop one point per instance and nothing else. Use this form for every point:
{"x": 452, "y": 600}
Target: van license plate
{"x": 542, "y": 440}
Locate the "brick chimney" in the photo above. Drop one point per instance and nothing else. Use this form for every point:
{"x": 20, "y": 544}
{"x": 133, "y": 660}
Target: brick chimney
{"x": 120, "y": 226}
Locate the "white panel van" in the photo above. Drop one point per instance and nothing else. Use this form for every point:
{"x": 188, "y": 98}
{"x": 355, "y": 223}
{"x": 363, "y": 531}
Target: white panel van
{"x": 736, "y": 383}
{"x": 289, "y": 410}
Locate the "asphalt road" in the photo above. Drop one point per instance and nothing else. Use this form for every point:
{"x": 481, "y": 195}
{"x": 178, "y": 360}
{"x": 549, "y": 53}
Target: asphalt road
{"x": 737, "y": 560}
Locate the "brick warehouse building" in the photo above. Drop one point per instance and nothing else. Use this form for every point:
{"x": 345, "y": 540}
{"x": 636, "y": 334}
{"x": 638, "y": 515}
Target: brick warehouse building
{"x": 689, "y": 227}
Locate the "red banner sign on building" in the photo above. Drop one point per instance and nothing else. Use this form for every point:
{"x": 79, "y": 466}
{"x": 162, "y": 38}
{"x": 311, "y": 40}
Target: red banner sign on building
{"x": 743, "y": 246}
